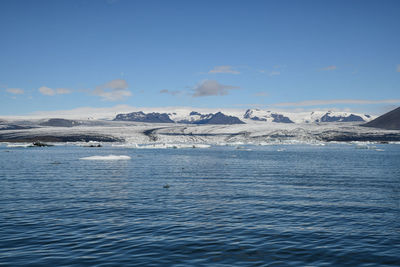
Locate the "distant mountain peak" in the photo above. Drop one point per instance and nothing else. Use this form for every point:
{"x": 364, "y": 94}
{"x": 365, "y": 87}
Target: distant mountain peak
{"x": 140, "y": 116}
{"x": 260, "y": 115}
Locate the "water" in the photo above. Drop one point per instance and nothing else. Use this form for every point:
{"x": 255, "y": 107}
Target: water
{"x": 304, "y": 206}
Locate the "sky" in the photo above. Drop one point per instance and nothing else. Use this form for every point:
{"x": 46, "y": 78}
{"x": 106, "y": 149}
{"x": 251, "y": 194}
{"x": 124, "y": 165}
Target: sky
{"x": 297, "y": 55}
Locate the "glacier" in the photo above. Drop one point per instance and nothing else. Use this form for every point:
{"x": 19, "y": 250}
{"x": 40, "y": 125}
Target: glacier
{"x": 270, "y": 127}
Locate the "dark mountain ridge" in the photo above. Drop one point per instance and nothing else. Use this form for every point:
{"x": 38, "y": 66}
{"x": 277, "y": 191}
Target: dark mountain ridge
{"x": 329, "y": 118}
{"x": 388, "y": 121}
{"x": 140, "y": 116}
{"x": 217, "y": 118}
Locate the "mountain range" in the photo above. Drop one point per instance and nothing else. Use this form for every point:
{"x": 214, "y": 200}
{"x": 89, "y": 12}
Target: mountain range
{"x": 184, "y": 125}
{"x": 250, "y": 115}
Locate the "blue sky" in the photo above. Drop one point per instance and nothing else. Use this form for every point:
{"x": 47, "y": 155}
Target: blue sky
{"x": 60, "y": 55}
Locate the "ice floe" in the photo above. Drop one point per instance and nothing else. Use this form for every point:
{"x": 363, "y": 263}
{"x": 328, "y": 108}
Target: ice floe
{"x": 161, "y": 145}
{"x": 19, "y": 145}
{"x": 108, "y": 157}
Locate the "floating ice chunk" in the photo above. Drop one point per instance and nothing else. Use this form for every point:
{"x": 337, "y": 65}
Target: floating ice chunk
{"x": 201, "y": 146}
{"x": 92, "y": 144}
{"x": 88, "y": 144}
{"x": 109, "y": 157}
{"x": 176, "y": 146}
{"x": 126, "y": 145}
{"x": 20, "y": 145}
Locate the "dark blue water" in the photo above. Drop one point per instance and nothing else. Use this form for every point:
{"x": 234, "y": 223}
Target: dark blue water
{"x": 305, "y": 206}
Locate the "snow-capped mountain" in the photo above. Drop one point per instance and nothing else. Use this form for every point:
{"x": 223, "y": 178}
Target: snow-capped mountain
{"x": 251, "y": 115}
{"x": 140, "y": 116}
{"x": 268, "y": 116}
{"x": 193, "y": 118}
{"x": 304, "y": 117}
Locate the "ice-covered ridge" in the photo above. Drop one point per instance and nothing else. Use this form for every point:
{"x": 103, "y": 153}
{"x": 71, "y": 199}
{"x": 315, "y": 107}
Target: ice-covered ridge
{"x": 84, "y": 117}
{"x": 192, "y": 118}
{"x": 249, "y": 116}
{"x": 305, "y": 117}
{"x": 108, "y": 157}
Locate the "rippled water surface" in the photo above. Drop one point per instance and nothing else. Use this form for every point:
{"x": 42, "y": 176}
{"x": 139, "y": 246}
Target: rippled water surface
{"x": 307, "y": 205}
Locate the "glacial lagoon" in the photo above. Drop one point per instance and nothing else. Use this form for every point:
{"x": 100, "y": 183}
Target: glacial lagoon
{"x": 276, "y": 205}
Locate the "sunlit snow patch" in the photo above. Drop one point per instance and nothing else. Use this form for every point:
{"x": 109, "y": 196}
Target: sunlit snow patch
{"x": 109, "y": 157}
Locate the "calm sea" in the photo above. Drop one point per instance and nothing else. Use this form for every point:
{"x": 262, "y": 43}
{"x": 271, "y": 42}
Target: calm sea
{"x": 331, "y": 205}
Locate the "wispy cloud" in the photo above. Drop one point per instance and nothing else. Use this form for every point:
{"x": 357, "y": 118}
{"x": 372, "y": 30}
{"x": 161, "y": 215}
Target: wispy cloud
{"x": 212, "y": 88}
{"x": 274, "y": 73}
{"x": 338, "y": 101}
{"x": 166, "y": 91}
{"x": 49, "y": 91}
{"x": 63, "y": 91}
{"x": 114, "y": 90}
{"x": 223, "y": 69}
{"x": 46, "y": 91}
{"x": 328, "y": 68}
{"x": 398, "y": 68}
{"x": 15, "y": 91}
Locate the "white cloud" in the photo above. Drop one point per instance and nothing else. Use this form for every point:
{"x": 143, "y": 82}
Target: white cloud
{"x": 398, "y": 68}
{"x": 223, "y": 69}
{"x": 47, "y": 91}
{"x": 212, "y": 88}
{"x": 328, "y": 68}
{"x": 15, "y": 91}
{"x": 338, "y": 101}
{"x": 113, "y": 90}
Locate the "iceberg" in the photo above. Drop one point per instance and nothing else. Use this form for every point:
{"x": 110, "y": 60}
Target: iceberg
{"x": 108, "y": 157}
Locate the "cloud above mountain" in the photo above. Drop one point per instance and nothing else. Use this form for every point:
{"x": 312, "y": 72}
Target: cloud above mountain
{"x": 114, "y": 90}
{"x": 212, "y": 88}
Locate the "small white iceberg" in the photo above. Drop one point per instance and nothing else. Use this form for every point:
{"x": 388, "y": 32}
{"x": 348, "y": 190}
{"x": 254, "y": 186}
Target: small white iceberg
{"x": 108, "y": 157}
{"x": 19, "y": 145}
